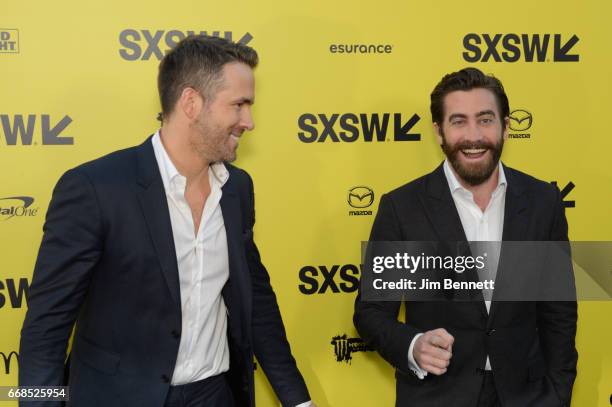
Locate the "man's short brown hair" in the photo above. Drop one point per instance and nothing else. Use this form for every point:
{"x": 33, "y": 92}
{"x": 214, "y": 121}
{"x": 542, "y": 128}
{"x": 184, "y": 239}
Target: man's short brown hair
{"x": 197, "y": 62}
{"x": 467, "y": 79}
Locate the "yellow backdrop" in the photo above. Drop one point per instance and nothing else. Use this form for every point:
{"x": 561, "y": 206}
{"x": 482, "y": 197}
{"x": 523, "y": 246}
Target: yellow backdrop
{"x": 79, "y": 80}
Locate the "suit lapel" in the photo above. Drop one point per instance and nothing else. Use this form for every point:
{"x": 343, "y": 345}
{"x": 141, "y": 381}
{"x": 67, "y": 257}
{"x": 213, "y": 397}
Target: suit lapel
{"x": 152, "y": 197}
{"x": 515, "y": 227}
{"x": 235, "y": 295}
{"x": 442, "y": 213}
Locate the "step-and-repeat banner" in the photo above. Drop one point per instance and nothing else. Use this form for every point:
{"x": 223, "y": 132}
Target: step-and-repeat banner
{"x": 342, "y": 116}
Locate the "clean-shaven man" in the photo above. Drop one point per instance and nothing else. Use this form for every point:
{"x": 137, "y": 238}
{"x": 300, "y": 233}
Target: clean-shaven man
{"x": 150, "y": 251}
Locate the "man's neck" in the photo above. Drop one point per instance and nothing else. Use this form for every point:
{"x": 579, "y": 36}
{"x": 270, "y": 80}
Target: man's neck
{"x": 185, "y": 158}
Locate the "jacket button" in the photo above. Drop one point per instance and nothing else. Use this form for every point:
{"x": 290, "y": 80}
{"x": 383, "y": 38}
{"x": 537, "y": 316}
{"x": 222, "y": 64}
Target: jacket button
{"x": 165, "y": 378}
{"x": 491, "y": 332}
{"x": 175, "y": 334}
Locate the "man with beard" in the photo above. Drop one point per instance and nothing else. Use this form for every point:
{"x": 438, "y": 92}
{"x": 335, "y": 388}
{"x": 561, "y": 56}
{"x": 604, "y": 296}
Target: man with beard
{"x": 150, "y": 251}
{"x": 478, "y": 353}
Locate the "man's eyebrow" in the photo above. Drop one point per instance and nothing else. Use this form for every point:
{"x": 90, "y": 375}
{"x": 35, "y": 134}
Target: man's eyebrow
{"x": 457, "y": 116}
{"x": 485, "y": 112}
{"x": 246, "y": 100}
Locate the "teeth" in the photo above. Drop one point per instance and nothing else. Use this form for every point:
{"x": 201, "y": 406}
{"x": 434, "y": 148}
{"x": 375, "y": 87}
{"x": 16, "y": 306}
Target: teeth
{"x": 474, "y": 151}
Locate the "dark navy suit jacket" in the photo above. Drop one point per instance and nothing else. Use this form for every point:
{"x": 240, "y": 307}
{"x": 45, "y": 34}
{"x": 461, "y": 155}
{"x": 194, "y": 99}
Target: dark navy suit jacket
{"x": 531, "y": 345}
{"x": 107, "y": 262}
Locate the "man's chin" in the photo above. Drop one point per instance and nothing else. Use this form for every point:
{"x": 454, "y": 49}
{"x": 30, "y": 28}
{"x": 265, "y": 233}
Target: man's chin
{"x": 230, "y": 158}
{"x": 475, "y": 175}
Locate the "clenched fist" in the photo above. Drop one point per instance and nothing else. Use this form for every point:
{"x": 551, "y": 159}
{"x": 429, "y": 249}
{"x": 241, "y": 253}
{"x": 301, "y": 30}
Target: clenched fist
{"x": 433, "y": 351}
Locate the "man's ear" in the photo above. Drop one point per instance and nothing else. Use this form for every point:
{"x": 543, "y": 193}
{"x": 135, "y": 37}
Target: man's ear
{"x": 506, "y": 128}
{"x": 190, "y": 103}
{"x": 438, "y": 132}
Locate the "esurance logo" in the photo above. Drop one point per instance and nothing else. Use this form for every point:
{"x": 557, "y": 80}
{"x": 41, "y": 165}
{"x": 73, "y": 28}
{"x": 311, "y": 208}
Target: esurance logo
{"x": 7, "y": 358}
{"x": 9, "y": 41}
{"x": 350, "y": 127}
{"x": 144, "y": 44}
{"x": 336, "y": 278}
{"x": 15, "y": 291}
{"x": 361, "y": 48}
{"x": 17, "y": 207}
{"x": 344, "y": 347}
{"x": 520, "y": 47}
{"x": 20, "y": 129}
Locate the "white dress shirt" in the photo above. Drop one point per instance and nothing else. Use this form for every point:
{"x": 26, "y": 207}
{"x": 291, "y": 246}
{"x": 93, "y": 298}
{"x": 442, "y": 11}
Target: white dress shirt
{"x": 484, "y": 226}
{"x": 203, "y": 271}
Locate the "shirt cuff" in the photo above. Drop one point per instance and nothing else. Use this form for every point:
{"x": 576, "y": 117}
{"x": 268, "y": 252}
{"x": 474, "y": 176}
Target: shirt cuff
{"x": 412, "y": 364}
{"x": 305, "y": 404}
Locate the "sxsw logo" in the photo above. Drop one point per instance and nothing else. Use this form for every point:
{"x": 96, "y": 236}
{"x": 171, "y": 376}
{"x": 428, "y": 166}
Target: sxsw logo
{"x": 336, "y": 278}
{"x": 17, "y": 291}
{"x": 350, "y": 127}
{"x": 360, "y": 197}
{"x": 143, "y": 44}
{"x": 345, "y": 346}
{"x": 20, "y": 129}
{"x": 523, "y": 47}
{"x": 7, "y": 358}
{"x": 17, "y": 206}
{"x": 569, "y": 187}
{"x": 9, "y": 41}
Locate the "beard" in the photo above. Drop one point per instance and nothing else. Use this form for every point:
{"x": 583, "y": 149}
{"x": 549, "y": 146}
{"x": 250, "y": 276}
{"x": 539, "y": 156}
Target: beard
{"x": 213, "y": 140}
{"x": 474, "y": 173}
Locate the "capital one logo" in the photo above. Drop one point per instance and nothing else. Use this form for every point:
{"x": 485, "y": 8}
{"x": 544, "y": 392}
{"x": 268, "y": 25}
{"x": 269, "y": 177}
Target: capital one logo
{"x": 336, "y": 279}
{"x": 350, "y": 127}
{"x": 144, "y": 44}
{"x": 520, "y": 47}
{"x": 7, "y": 358}
{"x": 17, "y": 206}
{"x": 345, "y": 346}
{"x": 21, "y": 129}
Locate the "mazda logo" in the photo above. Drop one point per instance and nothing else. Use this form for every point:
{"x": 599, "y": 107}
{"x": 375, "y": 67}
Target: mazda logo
{"x": 360, "y": 197}
{"x": 520, "y": 120}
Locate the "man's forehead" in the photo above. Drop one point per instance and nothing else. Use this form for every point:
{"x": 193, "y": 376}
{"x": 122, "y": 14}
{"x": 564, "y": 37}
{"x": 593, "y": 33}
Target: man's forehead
{"x": 237, "y": 70}
{"x": 470, "y": 101}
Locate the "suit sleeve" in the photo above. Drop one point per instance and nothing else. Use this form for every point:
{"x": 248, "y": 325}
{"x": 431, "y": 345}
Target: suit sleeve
{"x": 269, "y": 338}
{"x": 376, "y": 321}
{"x": 557, "y": 325}
{"x": 69, "y": 250}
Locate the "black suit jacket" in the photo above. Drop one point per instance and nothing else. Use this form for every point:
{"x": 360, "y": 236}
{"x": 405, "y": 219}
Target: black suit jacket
{"x": 531, "y": 345}
{"x": 107, "y": 261}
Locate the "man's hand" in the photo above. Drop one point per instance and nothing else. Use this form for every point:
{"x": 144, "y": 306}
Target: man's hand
{"x": 433, "y": 351}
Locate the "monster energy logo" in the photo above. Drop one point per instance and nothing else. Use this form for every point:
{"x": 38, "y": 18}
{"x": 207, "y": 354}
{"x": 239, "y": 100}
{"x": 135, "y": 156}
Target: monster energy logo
{"x": 345, "y": 346}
